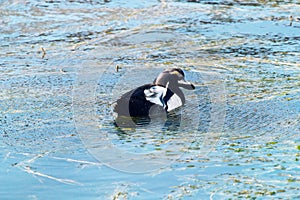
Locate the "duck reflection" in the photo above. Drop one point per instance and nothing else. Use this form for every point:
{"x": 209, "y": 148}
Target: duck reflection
{"x": 166, "y": 121}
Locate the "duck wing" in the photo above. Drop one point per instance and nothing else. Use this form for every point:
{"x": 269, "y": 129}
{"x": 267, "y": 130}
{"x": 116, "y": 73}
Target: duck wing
{"x": 134, "y": 102}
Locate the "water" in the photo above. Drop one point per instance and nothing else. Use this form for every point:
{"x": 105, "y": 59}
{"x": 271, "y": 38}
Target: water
{"x": 237, "y": 137}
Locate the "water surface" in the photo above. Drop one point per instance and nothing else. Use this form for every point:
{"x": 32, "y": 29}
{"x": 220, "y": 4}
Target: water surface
{"x": 237, "y": 137}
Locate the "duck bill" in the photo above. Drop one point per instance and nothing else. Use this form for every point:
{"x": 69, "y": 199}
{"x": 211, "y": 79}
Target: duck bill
{"x": 186, "y": 85}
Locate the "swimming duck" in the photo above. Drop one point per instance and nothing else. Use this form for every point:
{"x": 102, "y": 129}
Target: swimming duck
{"x": 163, "y": 95}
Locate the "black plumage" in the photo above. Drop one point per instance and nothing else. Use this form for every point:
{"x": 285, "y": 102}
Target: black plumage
{"x": 134, "y": 103}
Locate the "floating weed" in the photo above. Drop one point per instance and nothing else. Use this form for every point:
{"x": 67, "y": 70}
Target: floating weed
{"x": 265, "y": 192}
{"x": 168, "y": 63}
{"x": 269, "y": 79}
{"x": 244, "y": 192}
{"x": 239, "y": 150}
{"x": 240, "y": 66}
{"x": 280, "y": 191}
{"x": 298, "y": 147}
{"x": 279, "y": 167}
{"x": 271, "y": 143}
{"x": 291, "y": 180}
{"x": 263, "y": 159}
{"x": 120, "y": 195}
{"x": 194, "y": 148}
{"x": 232, "y": 164}
{"x": 240, "y": 80}
{"x": 194, "y": 187}
{"x": 283, "y": 94}
{"x": 190, "y": 166}
{"x": 236, "y": 181}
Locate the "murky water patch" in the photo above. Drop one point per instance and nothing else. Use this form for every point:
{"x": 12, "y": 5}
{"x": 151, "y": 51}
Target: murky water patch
{"x": 28, "y": 122}
{"x": 264, "y": 120}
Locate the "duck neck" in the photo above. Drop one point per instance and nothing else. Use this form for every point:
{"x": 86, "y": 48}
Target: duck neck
{"x": 174, "y": 89}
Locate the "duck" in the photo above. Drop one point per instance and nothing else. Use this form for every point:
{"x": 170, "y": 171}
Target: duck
{"x": 161, "y": 96}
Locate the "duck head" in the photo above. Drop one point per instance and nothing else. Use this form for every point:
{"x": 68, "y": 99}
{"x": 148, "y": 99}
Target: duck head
{"x": 173, "y": 78}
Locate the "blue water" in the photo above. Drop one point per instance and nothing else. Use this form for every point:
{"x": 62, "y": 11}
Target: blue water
{"x": 237, "y": 137}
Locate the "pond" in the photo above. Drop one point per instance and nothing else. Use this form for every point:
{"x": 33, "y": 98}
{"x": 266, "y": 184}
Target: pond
{"x": 64, "y": 64}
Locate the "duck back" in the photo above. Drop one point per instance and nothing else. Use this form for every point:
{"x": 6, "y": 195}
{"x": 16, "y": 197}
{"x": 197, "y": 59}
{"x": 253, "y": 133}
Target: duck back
{"x": 134, "y": 103}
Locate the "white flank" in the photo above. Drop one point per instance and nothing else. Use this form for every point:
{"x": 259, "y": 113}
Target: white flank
{"x": 174, "y": 102}
{"x": 155, "y": 94}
